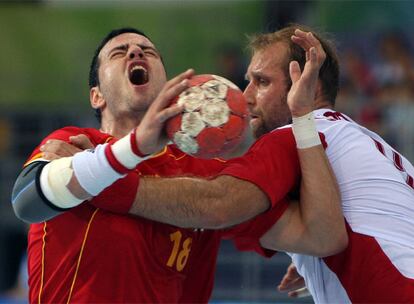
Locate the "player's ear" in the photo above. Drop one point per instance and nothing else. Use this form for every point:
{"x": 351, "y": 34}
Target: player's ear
{"x": 96, "y": 98}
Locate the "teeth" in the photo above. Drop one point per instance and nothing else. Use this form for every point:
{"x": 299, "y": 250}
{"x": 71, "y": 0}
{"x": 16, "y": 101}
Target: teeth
{"x": 138, "y": 67}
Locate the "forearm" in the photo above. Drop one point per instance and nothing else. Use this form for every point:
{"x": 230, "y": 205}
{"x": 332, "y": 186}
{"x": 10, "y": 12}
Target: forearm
{"x": 315, "y": 226}
{"x": 198, "y": 203}
{"x": 320, "y": 203}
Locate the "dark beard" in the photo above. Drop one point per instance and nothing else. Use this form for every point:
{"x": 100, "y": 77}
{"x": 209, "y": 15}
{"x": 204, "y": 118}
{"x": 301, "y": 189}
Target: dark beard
{"x": 265, "y": 128}
{"x": 260, "y": 131}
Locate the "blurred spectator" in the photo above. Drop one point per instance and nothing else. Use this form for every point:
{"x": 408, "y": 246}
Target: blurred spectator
{"x": 12, "y": 252}
{"x": 377, "y": 89}
{"x": 371, "y": 116}
{"x": 397, "y": 101}
{"x": 231, "y": 64}
{"x": 349, "y": 100}
{"x": 356, "y": 71}
{"x": 13, "y": 232}
{"x": 396, "y": 60}
{"x": 280, "y": 13}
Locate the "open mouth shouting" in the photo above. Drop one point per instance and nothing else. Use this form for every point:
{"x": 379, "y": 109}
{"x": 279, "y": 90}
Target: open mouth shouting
{"x": 138, "y": 74}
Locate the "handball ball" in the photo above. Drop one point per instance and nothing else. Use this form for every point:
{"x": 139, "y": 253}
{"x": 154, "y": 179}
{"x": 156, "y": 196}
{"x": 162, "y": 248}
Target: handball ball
{"x": 214, "y": 118}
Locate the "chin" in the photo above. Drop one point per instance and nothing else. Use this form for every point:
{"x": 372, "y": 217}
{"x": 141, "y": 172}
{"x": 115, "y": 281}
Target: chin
{"x": 258, "y": 132}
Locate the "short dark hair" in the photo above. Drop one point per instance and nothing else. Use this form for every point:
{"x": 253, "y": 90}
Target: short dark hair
{"x": 94, "y": 67}
{"x": 329, "y": 72}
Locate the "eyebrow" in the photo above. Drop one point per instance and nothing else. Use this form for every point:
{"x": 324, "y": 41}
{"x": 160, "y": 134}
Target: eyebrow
{"x": 125, "y": 47}
{"x": 253, "y": 74}
{"x": 122, "y": 47}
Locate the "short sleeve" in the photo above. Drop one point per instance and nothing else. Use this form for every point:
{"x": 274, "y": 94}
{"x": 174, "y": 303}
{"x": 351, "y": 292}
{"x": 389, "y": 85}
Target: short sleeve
{"x": 246, "y": 236}
{"x": 271, "y": 163}
{"x": 61, "y": 134}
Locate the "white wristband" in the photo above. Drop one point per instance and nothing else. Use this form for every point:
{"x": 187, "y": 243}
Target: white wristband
{"x": 304, "y": 130}
{"x": 101, "y": 167}
{"x": 93, "y": 171}
{"x": 122, "y": 151}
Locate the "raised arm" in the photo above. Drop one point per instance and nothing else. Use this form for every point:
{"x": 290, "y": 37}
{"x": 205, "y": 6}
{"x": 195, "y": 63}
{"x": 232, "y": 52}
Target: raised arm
{"x": 316, "y": 225}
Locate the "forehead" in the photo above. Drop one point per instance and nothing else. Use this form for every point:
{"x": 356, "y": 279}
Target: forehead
{"x": 272, "y": 57}
{"x": 126, "y": 38}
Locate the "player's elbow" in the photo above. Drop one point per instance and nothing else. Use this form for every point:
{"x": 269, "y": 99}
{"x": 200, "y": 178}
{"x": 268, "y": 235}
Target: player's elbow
{"x": 335, "y": 243}
{"x": 27, "y": 200}
{"x": 19, "y": 202}
{"x": 29, "y": 211}
{"x": 22, "y": 212}
{"x": 21, "y": 209}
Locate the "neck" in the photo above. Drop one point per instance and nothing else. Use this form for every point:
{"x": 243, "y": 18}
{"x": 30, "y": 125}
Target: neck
{"x": 323, "y": 104}
{"x": 121, "y": 126}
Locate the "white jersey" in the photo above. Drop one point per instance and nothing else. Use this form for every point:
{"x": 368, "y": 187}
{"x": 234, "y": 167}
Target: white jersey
{"x": 377, "y": 190}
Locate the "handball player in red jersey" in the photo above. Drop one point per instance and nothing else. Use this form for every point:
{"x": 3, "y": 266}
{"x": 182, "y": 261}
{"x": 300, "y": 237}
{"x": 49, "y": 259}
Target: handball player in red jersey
{"x": 100, "y": 251}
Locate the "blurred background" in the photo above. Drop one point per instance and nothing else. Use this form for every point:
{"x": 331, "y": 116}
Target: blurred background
{"x": 46, "y": 48}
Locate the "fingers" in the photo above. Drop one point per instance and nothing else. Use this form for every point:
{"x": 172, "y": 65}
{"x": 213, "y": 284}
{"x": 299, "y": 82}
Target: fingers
{"x": 291, "y": 284}
{"x": 170, "y": 112}
{"x": 299, "y": 293}
{"x": 294, "y": 71}
{"x": 312, "y": 62}
{"x": 179, "y": 78}
{"x": 173, "y": 88}
{"x": 59, "y": 148}
{"x": 50, "y": 156}
{"x": 292, "y": 280}
{"x": 306, "y": 40}
{"x": 311, "y": 69}
{"x": 81, "y": 141}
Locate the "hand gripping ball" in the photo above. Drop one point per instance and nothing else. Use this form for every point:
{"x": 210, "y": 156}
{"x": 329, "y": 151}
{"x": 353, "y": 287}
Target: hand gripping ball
{"x": 214, "y": 118}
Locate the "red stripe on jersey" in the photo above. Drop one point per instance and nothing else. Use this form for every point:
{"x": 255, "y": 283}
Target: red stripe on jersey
{"x": 134, "y": 144}
{"x": 410, "y": 181}
{"x": 323, "y": 140}
{"x": 367, "y": 274}
{"x": 380, "y": 147}
{"x": 397, "y": 161}
{"x": 335, "y": 116}
{"x": 115, "y": 164}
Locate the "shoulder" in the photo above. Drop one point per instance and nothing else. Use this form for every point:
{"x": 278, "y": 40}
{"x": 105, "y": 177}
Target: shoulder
{"x": 63, "y": 134}
{"x": 94, "y": 135}
{"x": 281, "y": 138}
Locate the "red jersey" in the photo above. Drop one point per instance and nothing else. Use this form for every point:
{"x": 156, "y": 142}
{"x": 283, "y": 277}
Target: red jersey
{"x": 90, "y": 254}
{"x": 271, "y": 163}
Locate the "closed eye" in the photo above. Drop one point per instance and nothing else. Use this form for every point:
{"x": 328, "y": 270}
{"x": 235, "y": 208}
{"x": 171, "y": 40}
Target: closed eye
{"x": 261, "y": 81}
{"x": 117, "y": 54}
{"x": 149, "y": 51}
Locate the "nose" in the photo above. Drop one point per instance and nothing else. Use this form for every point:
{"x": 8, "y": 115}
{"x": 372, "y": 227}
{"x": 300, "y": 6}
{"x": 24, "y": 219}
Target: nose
{"x": 249, "y": 93}
{"x": 136, "y": 52}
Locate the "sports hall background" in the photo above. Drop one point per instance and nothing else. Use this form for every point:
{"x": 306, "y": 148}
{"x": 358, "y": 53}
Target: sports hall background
{"x": 46, "y": 48}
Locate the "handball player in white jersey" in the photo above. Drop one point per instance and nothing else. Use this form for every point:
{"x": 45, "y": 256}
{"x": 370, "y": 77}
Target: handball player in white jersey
{"x": 377, "y": 189}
